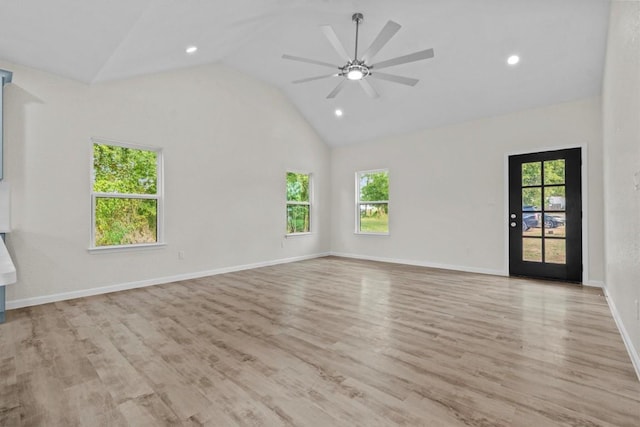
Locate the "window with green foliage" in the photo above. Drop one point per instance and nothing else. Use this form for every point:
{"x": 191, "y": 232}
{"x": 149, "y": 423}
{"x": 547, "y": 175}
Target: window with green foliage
{"x": 125, "y": 196}
{"x": 372, "y": 206}
{"x": 298, "y": 202}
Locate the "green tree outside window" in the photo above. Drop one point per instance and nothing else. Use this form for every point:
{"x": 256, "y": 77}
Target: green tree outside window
{"x": 125, "y": 195}
{"x": 298, "y": 203}
{"x": 373, "y": 202}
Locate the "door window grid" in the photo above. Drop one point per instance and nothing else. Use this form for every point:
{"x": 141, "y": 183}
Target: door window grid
{"x": 543, "y": 190}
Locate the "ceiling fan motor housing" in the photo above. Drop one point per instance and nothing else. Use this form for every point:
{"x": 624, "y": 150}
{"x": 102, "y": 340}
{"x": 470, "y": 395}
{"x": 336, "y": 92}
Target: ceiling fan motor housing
{"x": 355, "y": 70}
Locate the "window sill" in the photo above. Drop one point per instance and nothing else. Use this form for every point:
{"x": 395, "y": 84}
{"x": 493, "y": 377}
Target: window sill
{"x": 288, "y": 236}
{"x": 126, "y": 248}
{"x": 360, "y": 233}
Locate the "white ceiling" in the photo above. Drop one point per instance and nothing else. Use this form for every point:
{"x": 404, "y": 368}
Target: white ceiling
{"x": 561, "y": 43}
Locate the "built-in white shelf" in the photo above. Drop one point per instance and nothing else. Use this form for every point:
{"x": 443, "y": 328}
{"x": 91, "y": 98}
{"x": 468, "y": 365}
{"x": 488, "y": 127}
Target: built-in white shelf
{"x": 7, "y": 269}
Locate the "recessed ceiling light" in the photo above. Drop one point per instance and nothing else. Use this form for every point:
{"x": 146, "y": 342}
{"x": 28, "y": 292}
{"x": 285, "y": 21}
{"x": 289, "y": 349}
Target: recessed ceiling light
{"x": 338, "y": 112}
{"x": 513, "y": 60}
{"x": 191, "y": 49}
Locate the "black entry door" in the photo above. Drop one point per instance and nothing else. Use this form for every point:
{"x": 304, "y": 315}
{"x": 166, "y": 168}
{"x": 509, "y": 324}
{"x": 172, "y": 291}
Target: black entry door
{"x": 545, "y": 215}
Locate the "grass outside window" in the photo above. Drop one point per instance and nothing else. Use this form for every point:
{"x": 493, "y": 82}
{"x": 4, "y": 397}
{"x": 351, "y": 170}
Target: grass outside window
{"x": 373, "y": 202}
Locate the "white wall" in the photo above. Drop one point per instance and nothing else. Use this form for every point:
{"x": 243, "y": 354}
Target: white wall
{"x": 227, "y": 139}
{"x": 447, "y": 187}
{"x": 621, "y": 126}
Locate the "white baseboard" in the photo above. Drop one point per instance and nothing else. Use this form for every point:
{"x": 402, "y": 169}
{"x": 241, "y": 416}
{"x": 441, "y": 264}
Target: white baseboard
{"x": 424, "y": 264}
{"x": 633, "y": 352}
{"x": 593, "y": 284}
{"x": 28, "y": 302}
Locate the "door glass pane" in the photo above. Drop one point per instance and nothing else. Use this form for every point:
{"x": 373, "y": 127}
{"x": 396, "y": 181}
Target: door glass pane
{"x": 530, "y": 225}
{"x": 532, "y": 173}
{"x": 532, "y": 249}
{"x": 531, "y": 199}
{"x": 530, "y": 222}
{"x": 554, "y": 198}
{"x": 554, "y": 224}
{"x": 555, "y": 251}
{"x": 554, "y": 172}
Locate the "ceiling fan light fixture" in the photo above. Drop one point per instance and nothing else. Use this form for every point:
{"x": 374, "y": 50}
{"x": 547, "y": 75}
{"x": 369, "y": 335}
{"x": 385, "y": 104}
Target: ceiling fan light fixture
{"x": 356, "y": 71}
{"x": 355, "y": 74}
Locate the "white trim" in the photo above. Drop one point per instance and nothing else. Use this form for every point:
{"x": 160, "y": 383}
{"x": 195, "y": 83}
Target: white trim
{"x": 585, "y": 205}
{"x": 125, "y": 248}
{"x": 585, "y": 214}
{"x": 107, "y": 141}
{"x": 593, "y": 283}
{"x": 290, "y": 235}
{"x": 429, "y": 264}
{"x": 633, "y": 353}
{"x": 370, "y": 233}
{"x": 45, "y": 299}
{"x": 505, "y": 180}
{"x": 126, "y": 196}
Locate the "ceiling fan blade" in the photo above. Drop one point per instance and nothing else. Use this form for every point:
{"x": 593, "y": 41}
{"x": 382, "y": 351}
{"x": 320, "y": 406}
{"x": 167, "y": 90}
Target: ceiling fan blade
{"x": 310, "y": 61}
{"x": 388, "y": 31}
{"x": 333, "y": 39}
{"x": 337, "y": 89}
{"x": 393, "y": 78}
{"x": 310, "y": 79}
{"x": 369, "y": 89}
{"x": 412, "y": 57}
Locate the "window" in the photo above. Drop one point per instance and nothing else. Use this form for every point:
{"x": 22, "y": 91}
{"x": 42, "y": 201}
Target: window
{"x": 372, "y": 210}
{"x": 298, "y": 203}
{"x": 126, "y": 195}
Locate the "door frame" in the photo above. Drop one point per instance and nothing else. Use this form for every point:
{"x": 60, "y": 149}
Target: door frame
{"x": 584, "y": 170}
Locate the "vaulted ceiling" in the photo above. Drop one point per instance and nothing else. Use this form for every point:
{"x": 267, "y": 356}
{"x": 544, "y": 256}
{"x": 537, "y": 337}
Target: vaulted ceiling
{"x": 561, "y": 44}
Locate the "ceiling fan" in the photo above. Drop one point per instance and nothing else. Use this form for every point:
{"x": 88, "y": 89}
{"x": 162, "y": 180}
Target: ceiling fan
{"x": 360, "y": 68}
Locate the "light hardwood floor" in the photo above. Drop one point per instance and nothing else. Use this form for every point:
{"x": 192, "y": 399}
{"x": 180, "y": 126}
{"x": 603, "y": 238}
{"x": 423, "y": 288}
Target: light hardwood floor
{"x": 324, "y": 342}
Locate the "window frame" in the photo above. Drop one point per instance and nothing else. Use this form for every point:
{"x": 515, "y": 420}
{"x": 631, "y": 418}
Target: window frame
{"x": 308, "y": 203}
{"x": 5, "y": 78}
{"x": 358, "y": 177}
{"x": 159, "y": 197}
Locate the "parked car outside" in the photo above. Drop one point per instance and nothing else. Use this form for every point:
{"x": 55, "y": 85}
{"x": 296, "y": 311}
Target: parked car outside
{"x": 531, "y": 219}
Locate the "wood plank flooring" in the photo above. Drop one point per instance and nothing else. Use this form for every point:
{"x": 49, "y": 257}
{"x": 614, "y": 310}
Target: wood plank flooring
{"x": 324, "y": 342}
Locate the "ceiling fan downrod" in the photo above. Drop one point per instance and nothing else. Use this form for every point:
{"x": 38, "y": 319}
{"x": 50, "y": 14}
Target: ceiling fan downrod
{"x": 357, "y": 18}
{"x": 356, "y": 69}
